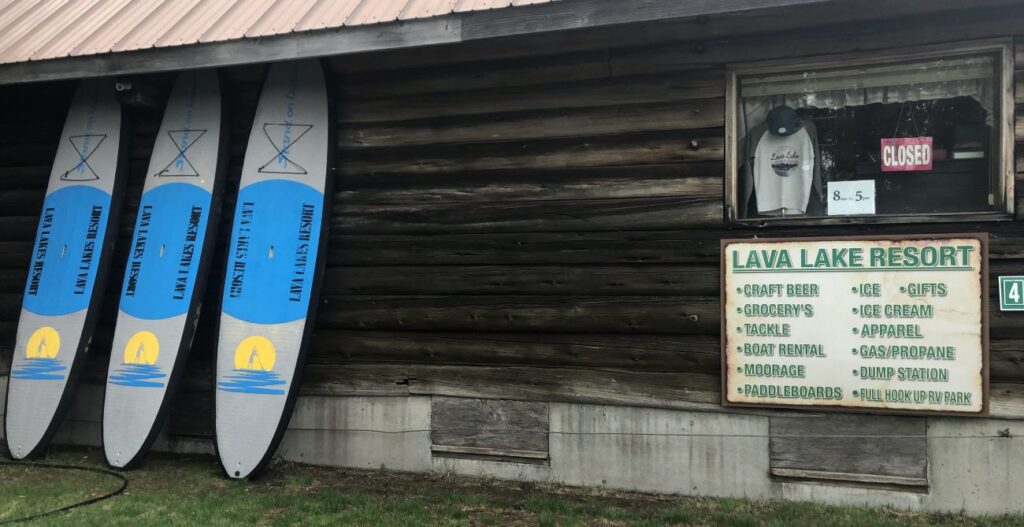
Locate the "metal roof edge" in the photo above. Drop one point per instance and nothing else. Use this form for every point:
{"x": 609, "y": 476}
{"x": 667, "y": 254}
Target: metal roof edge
{"x": 311, "y": 44}
{"x": 446, "y": 29}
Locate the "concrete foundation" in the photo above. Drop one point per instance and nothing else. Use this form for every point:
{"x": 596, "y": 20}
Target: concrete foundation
{"x": 667, "y": 451}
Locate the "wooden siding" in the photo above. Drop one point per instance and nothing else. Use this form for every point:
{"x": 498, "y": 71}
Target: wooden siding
{"x": 489, "y": 429}
{"x": 541, "y": 228}
{"x": 883, "y": 450}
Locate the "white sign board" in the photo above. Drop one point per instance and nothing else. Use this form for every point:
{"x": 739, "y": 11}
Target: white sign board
{"x": 878, "y": 324}
{"x": 846, "y": 198}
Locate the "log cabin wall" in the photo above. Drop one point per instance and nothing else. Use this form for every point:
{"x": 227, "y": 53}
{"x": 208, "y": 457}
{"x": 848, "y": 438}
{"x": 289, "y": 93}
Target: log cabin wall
{"x": 535, "y": 223}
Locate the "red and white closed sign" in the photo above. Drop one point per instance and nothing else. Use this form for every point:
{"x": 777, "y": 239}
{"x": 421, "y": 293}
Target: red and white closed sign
{"x": 904, "y": 154}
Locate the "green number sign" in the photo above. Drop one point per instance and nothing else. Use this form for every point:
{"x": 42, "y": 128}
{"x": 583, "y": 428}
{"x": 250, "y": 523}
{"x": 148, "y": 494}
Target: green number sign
{"x": 1011, "y": 293}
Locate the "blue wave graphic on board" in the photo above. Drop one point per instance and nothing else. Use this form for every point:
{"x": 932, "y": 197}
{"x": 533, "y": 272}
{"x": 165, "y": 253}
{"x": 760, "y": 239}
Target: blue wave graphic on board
{"x": 40, "y": 369}
{"x": 252, "y": 381}
{"x": 138, "y": 376}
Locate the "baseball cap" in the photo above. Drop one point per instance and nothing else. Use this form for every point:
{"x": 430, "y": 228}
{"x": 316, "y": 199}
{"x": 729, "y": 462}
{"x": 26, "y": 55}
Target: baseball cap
{"x": 783, "y": 120}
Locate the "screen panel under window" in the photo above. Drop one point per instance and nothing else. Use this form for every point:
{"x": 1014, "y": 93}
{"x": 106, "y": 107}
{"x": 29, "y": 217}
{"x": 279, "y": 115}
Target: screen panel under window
{"x": 908, "y": 137}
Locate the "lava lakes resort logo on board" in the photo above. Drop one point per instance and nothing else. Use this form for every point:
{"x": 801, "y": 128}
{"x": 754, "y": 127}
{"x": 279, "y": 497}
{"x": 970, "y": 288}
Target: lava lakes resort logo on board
{"x": 41, "y": 362}
{"x": 784, "y": 160}
{"x": 254, "y": 369}
{"x": 139, "y": 369}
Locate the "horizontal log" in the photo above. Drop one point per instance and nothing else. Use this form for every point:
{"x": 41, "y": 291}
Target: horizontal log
{"x": 540, "y": 155}
{"x": 1018, "y": 126}
{"x": 28, "y": 154}
{"x": 529, "y": 216}
{"x": 493, "y": 428}
{"x": 671, "y": 390}
{"x": 423, "y": 198}
{"x": 664, "y": 353}
{"x": 1006, "y": 400}
{"x": 549, "y": 190}
{"x": 673, "y": 280}
{"x": 44, "y": 132}
{"x": 21, "y": 202}
{"x": 686, "y": 179}
{"x": 51, "y": 111}
{"x": 637, "y": 181}
{"x": 885, "y": 34}
{"x": 1006, "y": 360}
{"x": 642, "y": 181}
{"x": 851, "y": 445}
{"x": 571, "y": 122}
{"x": 682, "y": 391}
{"x": 18, "y": 228}
{"x": 630, "y": 352}
{"x": 686, "y": 85}
{"x": 543, "y": 314}
{"x": 540, "y": 70}
{"x": 15, "y": 255}
{"x": 615, "y": 247}
{"x": 13, "y": 280}
{"x": 575, "y": 248}
{"x": 848, "y": 477}
{"x": 25, "y": 176}
{"x": 10, "y": 306}
{"x": 1004, "y": 324}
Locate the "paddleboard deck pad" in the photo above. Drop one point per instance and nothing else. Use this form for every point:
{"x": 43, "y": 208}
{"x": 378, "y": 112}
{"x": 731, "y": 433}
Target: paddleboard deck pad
{"x": 274, "y": 263}
{"x": 166, "y": 269}
{"x": 67, "y": 268}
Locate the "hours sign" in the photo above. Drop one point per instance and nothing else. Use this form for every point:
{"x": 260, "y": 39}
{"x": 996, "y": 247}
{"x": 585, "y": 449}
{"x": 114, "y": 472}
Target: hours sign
{"x": 883, "y": 324}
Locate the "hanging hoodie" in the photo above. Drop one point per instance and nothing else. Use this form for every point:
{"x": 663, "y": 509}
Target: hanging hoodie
{"x": 781, "y": 171}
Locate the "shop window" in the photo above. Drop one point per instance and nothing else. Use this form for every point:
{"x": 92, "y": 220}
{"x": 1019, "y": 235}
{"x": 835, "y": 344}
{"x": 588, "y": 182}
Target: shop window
{"x": 912, "y": 135}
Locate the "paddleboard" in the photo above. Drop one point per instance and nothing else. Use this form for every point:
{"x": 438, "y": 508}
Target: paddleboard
{"x": 165, "y": 275}
{"x": 274, "y": 264}
{"x": 68, "y": 266}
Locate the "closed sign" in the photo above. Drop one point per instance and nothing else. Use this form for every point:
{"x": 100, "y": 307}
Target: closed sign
{"x": 905, "y": 154}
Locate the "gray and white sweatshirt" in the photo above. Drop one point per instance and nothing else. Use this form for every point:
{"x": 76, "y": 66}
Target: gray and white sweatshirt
{"x": 781, "y": 170}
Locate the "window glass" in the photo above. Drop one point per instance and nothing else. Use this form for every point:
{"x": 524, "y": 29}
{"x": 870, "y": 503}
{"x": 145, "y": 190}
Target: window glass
{"x": 900, "y": 138}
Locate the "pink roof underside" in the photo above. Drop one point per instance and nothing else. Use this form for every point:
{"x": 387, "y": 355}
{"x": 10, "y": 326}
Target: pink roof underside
{"x": 50, "y": 29}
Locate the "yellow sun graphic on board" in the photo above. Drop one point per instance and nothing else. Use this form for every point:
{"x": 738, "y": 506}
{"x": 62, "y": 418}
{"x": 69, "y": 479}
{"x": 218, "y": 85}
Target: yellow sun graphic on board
{"x": 142, "y": 348}
{"x": 255, "y": 353}
{"x": 43, "y": 344}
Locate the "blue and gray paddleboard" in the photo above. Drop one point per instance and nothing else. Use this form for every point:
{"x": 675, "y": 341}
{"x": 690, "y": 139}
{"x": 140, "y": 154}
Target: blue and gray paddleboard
{"x": 69, "y": 260}
{"x": 274, "y": 263}
{"x": 166, "y": 270}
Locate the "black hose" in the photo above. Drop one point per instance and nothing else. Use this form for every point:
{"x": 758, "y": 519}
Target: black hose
{"x": 53, "y": 512}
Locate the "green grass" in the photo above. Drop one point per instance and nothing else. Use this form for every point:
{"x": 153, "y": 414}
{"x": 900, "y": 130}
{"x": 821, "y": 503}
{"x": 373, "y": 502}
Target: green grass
{"x": 170, "y": 491}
